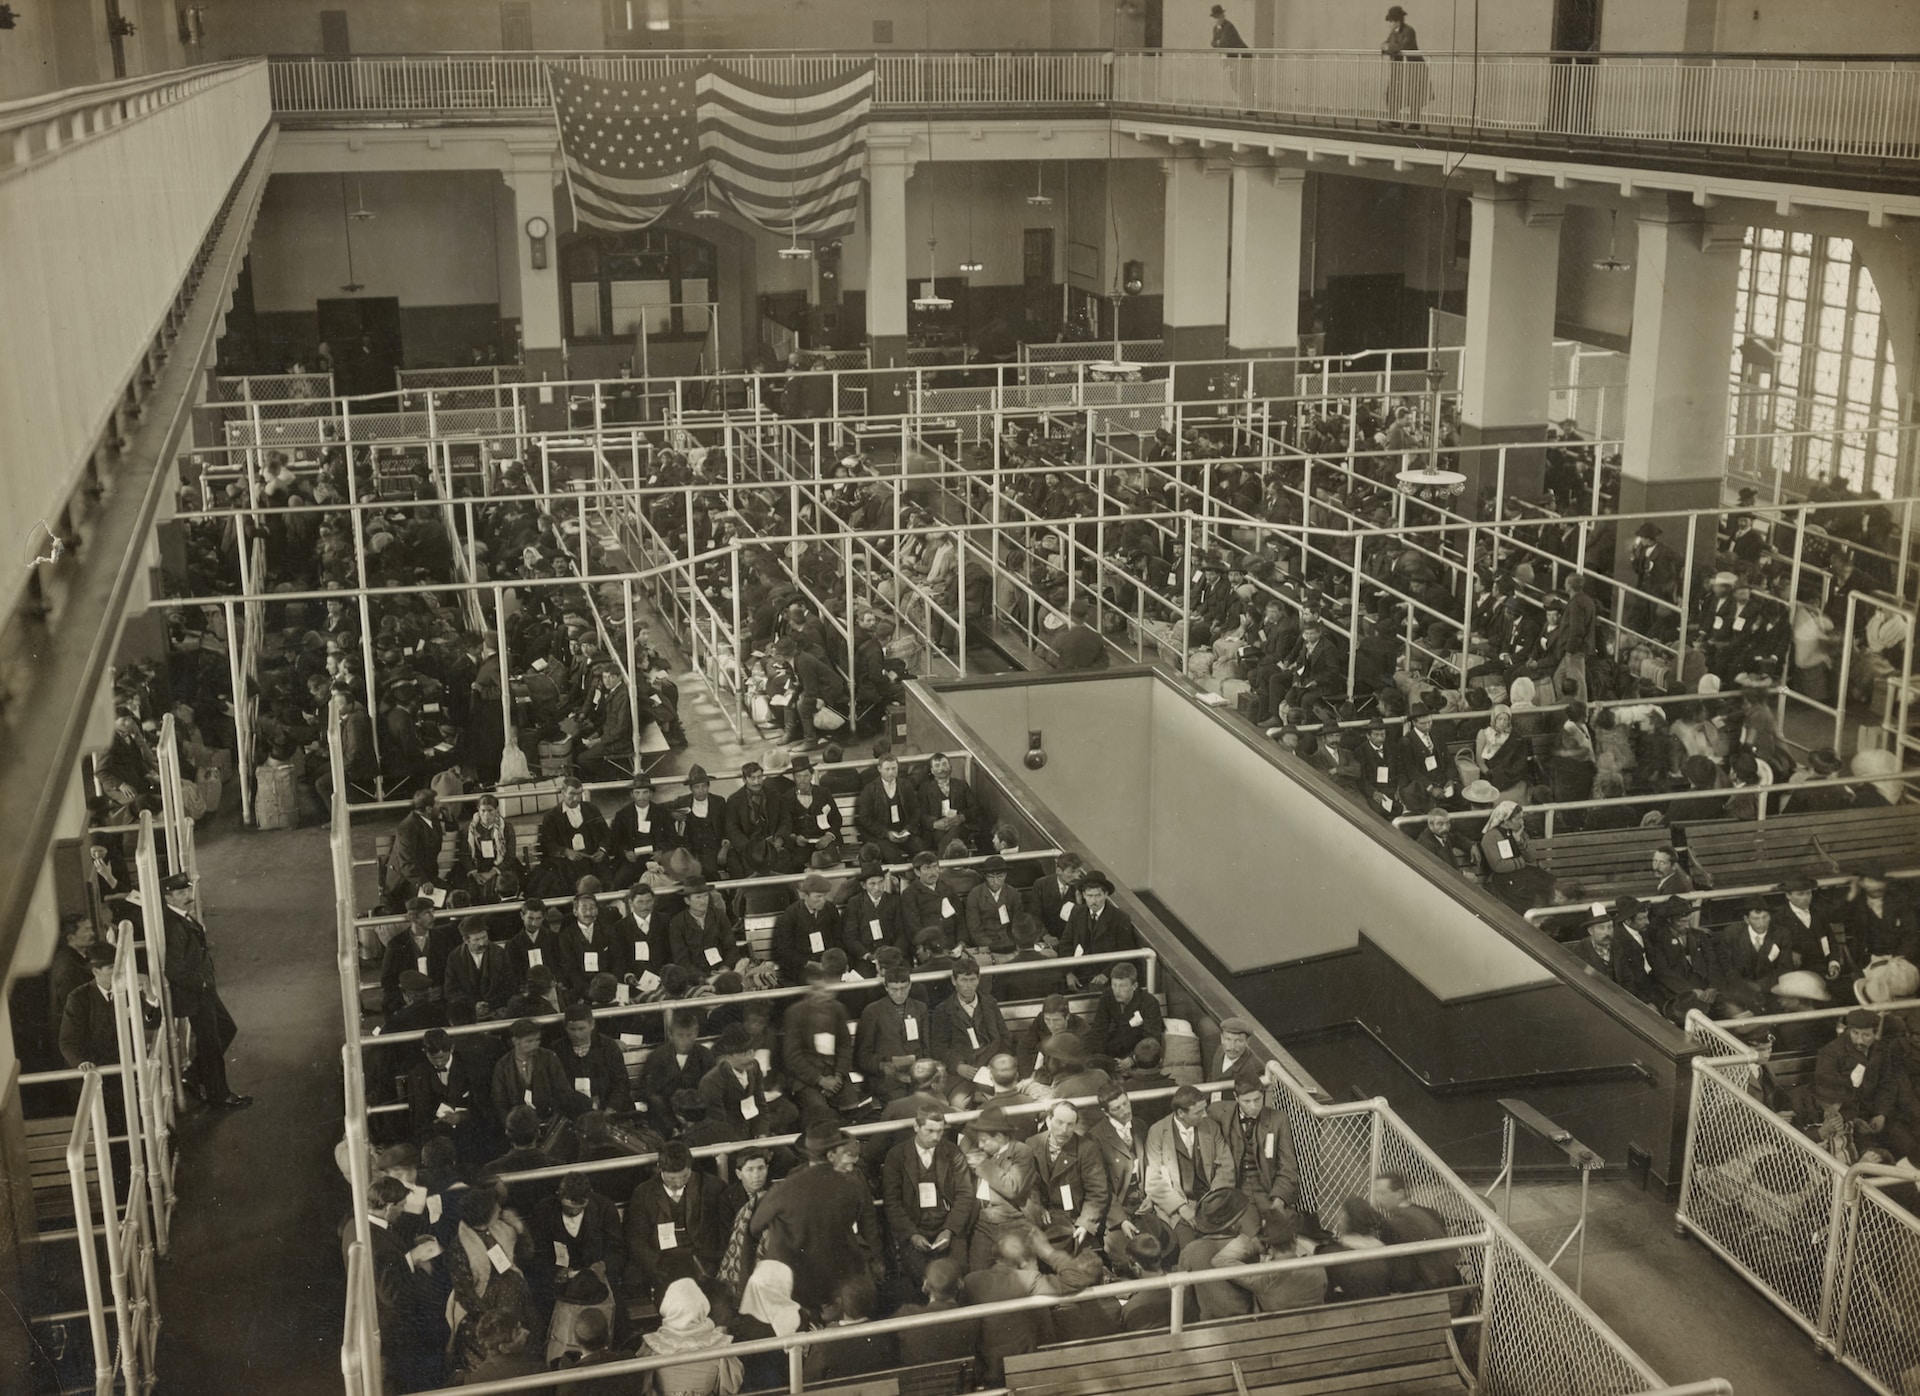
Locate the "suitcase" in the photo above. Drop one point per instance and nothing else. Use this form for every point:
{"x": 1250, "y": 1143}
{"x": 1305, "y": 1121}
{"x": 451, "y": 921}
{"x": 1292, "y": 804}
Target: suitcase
{"x": 274, "y": 802}
{"x": 533, "y": 798}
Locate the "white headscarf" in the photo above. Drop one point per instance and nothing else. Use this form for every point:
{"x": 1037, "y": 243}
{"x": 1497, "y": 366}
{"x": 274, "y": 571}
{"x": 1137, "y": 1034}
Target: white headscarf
{"x": 769, "y": 1297}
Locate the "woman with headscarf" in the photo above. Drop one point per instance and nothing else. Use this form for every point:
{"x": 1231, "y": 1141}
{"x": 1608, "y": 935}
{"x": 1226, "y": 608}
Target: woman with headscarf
{"x": 751, "y": 1179}
{"x": 1502, "y": 754}
{"x": 485, "y": 1276}
{"x": 767, "y": 1310}
{"x": 1512, "y": 875}
{"x": 688, "y": 1330}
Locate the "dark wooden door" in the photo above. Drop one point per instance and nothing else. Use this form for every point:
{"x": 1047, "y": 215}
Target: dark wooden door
{"x": 1576, "y": 26}
{"x": 333, "y": 34}
{"x": 516, "y": 26}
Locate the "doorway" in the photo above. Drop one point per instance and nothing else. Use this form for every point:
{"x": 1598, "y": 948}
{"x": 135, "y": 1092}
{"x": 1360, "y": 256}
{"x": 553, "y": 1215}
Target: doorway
{"x": 1576, "y": 26}
{"x": 516, "y": 26}
{"x": 117, "y": 38}
{"x": 364, "y": 334}
{"x": 1036, "y": 278}
{"x": 333, "y": 34}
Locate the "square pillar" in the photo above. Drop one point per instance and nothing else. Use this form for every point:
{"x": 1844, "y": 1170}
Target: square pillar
{"x": 888, "y": 167}
{"x": 1512, "y": 282}
{"x": 1674, "y": 447}
{"x": 542, "y": 346}
{"x": 1263, "y": 269}
{"x": 1193, "y": 310}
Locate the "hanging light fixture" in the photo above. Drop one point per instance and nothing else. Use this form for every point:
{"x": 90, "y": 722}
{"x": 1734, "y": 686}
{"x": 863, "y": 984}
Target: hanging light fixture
{"x": 793, "y": 251}
{"x": 1039, "y": 198}
{"x": 353, "y": 284}
{"x": 1612, "y": 262}
{"x": 706, "y": 209}
{"x": 971, "y": 263}
{"x": 932, "y": 300}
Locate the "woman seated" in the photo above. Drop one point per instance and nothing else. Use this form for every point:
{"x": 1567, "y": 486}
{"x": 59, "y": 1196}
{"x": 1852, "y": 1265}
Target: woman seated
{"x": 486, "y": 846}
{"x": 1502, "y": 755}
{"x": 1507, "y": 852}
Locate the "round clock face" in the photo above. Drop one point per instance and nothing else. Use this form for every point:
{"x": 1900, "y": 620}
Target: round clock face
{"x": 536, "y": 227}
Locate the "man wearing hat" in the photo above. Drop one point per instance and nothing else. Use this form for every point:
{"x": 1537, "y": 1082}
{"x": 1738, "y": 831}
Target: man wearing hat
{"x": 1656, "y": 571}
{"x": 1823, "y": 763}
{"x": 196, "y": 997}
{"x": 423, "y": 946}
{"x": 1814, "y": 929}
{"x": 1684, "y": 959}
{"x": 702, "y": 819}
{"x": 1221, "y": 1217}
{"x": 805, "y": 930}
{"x": 637, "y": 834}
{"x": 1186, "y": 1158}
{"x": 414, "y": 860}
{"x": 1005, "y": 1174}
{"x": 1878, "y": 922}
{"x": 1418, "y": 757}
{"x": 756, "y": 825}
{"x": 1097, "y": 927}
{"x": 990, "y": 911}
{"x": 1853, "y": 1084}
{"x": 949, "y": 809}
{"x": 870, "y": 916}
{"x": 820, "y": 1219}
{"x": 929, "y": 1197}
{"x": 1632, "y": 958}
{"x": 1260, "y": 1142}
{"x": 1377, "y": 779}
{"x": 523, "y": 1144}
{"x": 700, "y": 937}
{"x": 812, "y": 816}
{"x": 928, "y": 899}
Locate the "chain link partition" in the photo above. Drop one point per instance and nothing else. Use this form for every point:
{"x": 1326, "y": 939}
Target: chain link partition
{"x": 1877, "y": 1311}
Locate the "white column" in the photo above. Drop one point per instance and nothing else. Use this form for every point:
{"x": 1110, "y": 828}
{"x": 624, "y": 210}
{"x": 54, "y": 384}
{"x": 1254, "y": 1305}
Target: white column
{"x": 1263, "y": 264}
{"x": 888, "y": 166}
{"x": 1512, "y": 281}
{"x": 531, "y": 180}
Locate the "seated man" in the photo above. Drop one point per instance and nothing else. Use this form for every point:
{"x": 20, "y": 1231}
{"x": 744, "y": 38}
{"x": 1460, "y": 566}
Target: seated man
{"x": 929, "y": 1197}
{"x": 817, "y": 1043}
{"x": 676, "y": 1222}
{"x": 1070, "y": 1177}
{"x": 573, "y": 835}
{"x": 894, "y": 1032}
{"x": 1125, "y": 1015}
{"x": 1186, "y": 1158}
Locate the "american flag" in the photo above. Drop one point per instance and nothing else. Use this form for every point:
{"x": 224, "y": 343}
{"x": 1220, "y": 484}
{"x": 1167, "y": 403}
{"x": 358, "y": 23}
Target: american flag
{"x": 785, "y": 157}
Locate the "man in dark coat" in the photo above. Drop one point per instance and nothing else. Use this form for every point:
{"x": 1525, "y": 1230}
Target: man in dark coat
{"x": 820, "y": 1219}
{"x": 423, "y": 946}
{"x": 928, "y": 1192}
{"x": 573, "y": 834}
{"x": 1260, "y": 1142}
{"x": 1125, "y": 1016}
{"x": 805, "y": 930}
{"x": 479, "y": 975}
{"x": 757, "y": 825}
{"x": 677, "y": 1222}
{"x": 196, "y": 997}
{"x": 574, "y": 1228}
{"x": 1097, "y": 927}
{"x": 887, "y": 812}
{"x": 638, "y": 833}
{"x": 414, "y": 860}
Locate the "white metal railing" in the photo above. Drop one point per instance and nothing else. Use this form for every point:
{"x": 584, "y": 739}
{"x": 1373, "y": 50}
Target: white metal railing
{"x": 1863, "y": 108}
{"x": 518, "y": 82}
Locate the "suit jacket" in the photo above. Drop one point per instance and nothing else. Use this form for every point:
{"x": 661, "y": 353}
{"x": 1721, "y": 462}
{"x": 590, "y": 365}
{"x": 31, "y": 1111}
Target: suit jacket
{"x": 426, "y": 1093}
{"x": 416, "y": 853}
{"x": 521, "y": 954}
{"x": 490, "y": 982}
{"x": 1073, "y": 1186}
{"x": 610, "y": 949}
{"x": 1276, "y": 1172}
{"x": 964, "y": 1041}
{"x": 557, "y": 835}
{"x": 857, "y": 930}
{"x": 1739, "y": 960}
{"x": 876, "y": 815}
{"x": 922, "y": 906}
{"x": 1175, "y": 1177}
{"x": 600, "y": 1239}
{"x": 954, "y": 1205}
{"x": 1086, "y": 936}
{"x": 1124, "y": 1149}
{"x": 706, "y": 946}
{"x": 604, "y": 1068}
{"x": 752, "y": 824}
{"x": 702, "y": 1228}
{"x": 936, "y": 804}
{"x": 884, "y": 1034}
{"x": 800, "y": 935}
{"x": 87, "y": 1032}
{"x": 989, "y": 919}
{"x": 1009, "y": 1335}
{"x": 189, "y": 963}
{"x": 1118, "y": 1028}
{"x": 629, "y": 842}
{"x": 820, "y": 1222}
{"x": 544, "y": 1086}
{"x": 724, "y": 1092}
{"x": 404, "y": 953}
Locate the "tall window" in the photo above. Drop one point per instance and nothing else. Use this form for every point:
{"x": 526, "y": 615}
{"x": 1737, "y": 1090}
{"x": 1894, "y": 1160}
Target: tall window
{"x": 618, "y": 282}
{"x": 1811, "y": 355}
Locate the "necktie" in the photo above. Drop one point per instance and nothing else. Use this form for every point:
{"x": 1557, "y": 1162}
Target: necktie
{"x": 1249, "y": 1163}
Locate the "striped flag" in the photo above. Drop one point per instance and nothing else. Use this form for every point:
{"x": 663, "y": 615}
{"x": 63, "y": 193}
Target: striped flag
{"x": 788, "y": 158}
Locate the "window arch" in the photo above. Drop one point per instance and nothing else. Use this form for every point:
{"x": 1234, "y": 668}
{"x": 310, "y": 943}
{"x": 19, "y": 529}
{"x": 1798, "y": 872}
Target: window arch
{"x": 1811, "y": 354}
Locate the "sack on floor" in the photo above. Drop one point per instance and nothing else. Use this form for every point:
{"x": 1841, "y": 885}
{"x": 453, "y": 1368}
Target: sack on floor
{"x": 513, "y": 763}
{"x": 212, "y": 789}
{"x": 274, "y": 804}
{"x": 191, "y": 803}
{"x": 825, "y": 719}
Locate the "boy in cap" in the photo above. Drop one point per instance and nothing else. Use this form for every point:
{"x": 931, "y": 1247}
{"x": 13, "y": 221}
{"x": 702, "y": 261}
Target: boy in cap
{"x": 991, "y": 910}
{"x": 805, "y": 930}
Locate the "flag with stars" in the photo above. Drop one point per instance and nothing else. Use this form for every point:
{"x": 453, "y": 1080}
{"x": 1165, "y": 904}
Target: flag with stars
{"x": 786, "y": 157}
{"x": 631, "y": 149}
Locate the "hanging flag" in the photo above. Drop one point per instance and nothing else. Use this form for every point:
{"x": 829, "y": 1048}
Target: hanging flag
{"x": 631, "y": 149}
{"x": 788, "y": 158}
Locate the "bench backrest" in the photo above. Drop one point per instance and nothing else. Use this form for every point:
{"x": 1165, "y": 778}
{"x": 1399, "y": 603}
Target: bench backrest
{"x": 1400, "y": 1338}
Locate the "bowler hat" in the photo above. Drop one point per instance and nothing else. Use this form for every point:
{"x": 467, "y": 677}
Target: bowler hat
{"x": 1066, "y": 1049}
{"x": 822, "y": 1136}
{"x": 993, "y": 1120}
{"x": 994, "y": 863}
{"x": 1220, "y": 1210}
{"x": 1863, "y": 1018}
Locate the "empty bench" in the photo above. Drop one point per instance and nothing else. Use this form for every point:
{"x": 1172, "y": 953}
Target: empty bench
{"x": 1400, "y": 1344}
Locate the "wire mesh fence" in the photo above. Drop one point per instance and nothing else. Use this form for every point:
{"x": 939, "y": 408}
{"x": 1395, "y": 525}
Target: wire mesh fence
{"x": 1877, "y": 1313}
{"x": 1538, "y": 1337}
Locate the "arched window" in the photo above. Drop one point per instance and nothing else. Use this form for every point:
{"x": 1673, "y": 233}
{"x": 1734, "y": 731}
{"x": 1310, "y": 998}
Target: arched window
{"x": 1811, "y": 355}
{"x": 616, "y": 282}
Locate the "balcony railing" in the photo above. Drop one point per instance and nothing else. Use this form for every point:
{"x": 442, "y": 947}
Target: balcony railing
{"x": 1867, "y": 109}
{"x": 498, "y": 84}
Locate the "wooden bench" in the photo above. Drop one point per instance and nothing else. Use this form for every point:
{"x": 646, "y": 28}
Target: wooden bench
{"x": 1737, "y": 852}
{"x": 47, "y": 1168}
{"x": 933, "y": 1379}
{"x": 1400, "y": 1344}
